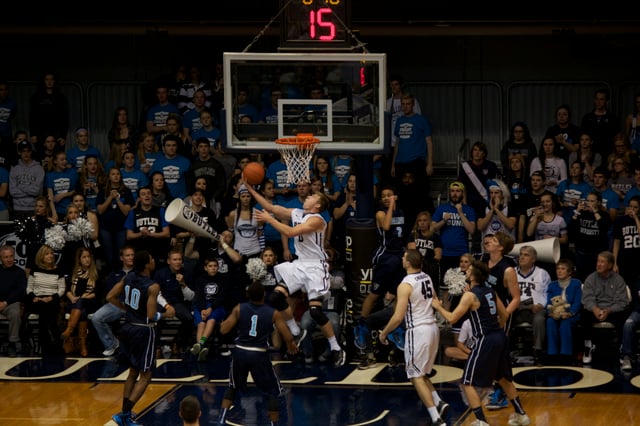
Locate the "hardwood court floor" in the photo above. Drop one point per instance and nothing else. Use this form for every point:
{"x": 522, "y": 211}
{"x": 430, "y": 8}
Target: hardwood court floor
{"x": 86, "y": 391}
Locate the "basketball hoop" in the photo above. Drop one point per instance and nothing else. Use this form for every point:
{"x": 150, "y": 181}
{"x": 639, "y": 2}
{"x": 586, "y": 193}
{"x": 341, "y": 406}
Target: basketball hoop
{"x": 296, "y": 152}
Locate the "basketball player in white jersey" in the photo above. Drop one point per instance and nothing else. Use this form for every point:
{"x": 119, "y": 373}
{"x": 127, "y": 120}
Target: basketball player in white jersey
{"x": 310, "y": 271}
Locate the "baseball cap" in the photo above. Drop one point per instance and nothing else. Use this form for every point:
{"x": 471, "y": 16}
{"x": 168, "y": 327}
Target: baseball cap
{"x": 538, "y": 173}
{"x": 24, "y": 144}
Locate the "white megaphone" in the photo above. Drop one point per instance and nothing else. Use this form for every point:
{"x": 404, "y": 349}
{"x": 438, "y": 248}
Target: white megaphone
{"x": 548, "y": 249}
{"x": 179, "y": 214}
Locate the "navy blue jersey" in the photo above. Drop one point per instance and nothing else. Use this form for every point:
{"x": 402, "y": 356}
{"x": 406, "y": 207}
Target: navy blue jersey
{"x": 136, "y": 294}
{"x": 255, "y": 325}
{"x": 496, "y": 276}
{"x": 393, "y": 240}
{"x": 484, "y": 320}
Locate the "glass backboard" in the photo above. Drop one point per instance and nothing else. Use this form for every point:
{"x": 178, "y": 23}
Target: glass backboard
{"x": 337, "y": 97}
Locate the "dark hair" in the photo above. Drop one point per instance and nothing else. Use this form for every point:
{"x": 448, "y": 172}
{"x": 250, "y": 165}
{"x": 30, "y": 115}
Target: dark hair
{"x": 190, "y": 408}
{"x": 140, "y": 260}
{"x": 414, "y": 258}
{"x": 479, "y": 271}
{"x": 255, "y": 292}
{"x": 482, "y": 146}
{"x": 602, "y": 171}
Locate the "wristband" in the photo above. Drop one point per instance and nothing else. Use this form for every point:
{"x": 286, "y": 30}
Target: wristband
{"x": 157, "y": 317}
{"x": 225, "y": 246}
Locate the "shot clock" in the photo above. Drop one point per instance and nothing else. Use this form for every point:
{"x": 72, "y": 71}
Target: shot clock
{"x": 315, "y": 24}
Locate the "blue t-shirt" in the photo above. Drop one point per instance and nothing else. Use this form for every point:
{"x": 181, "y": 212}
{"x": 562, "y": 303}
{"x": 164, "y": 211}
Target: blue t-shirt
{"x": 59, "y": 182}
{"x": 453, "y": 235}
{"x": 134, "y": 180}
{"x": 76, "y": 156}
{"x": 412, "y": 133}
{"x": 174, "y": 171}
{"x": 4, "y": 178}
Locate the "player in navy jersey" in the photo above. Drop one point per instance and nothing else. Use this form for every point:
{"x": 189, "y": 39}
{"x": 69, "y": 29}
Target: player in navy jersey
{"x": 254, "y": 320}
{"x": 489, "y": 358}
{"x": 387, "y": 272}
{"x": 138, "y": 334}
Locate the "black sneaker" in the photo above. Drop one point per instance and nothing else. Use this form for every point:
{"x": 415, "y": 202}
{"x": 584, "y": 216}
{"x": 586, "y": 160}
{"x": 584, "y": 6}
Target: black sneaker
{"x": 443, "y": 409}
{"x": 300, "y": 337}
{"x": 12, "y": 352}
{"x": 339, "y": 357}
{"x": 367, "y": 363}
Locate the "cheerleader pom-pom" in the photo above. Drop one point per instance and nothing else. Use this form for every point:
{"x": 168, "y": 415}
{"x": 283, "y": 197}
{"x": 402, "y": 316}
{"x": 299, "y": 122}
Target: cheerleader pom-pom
{"x": 55, "y": 237}
{"x": 78, "y": 229}
{"x": 256, "y": 269}
{"x": 455, "y": 280}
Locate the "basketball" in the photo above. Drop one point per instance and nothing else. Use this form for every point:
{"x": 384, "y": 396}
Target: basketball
{"x": 253, "y": 173}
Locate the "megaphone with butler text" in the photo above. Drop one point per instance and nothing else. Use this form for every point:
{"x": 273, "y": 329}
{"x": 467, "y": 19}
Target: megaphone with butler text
{"x": 548, "y": 249}
{"x": 179, "y": 214}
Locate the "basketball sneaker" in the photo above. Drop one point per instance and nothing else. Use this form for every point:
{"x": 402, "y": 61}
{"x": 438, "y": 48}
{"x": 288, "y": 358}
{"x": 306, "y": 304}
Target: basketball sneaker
{"x": 397, "y": 337}
{"x": 516, "y": 419}
{"x": 339, "y": 357}
{"x": 497, "y": 400}
{"x": 588, "y": 354}
{"x": 367, "y": 363}
{"x": 300, "y": 337}
{"x": 443, "y": 409}
{"x": 196, "y": 348}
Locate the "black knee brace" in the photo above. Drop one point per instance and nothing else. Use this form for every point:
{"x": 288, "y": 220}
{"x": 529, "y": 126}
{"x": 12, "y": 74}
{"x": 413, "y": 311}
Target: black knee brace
{"x": 278, "y": 300}
{"x": 318, "y": 315}
{"x": 273, "y": 404}
{"x": 230, "y": 394}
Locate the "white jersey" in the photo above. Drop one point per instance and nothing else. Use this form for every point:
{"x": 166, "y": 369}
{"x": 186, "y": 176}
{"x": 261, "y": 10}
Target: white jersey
{"x": 420, "y": 311}
{"x": 309, "y": 247}
{"x": 533, "y": 286}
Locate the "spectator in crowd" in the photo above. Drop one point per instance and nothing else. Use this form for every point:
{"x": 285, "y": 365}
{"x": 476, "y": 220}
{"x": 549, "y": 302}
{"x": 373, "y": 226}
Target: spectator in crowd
{"x": 45, "y": 287}
{"x": 91, "y": 177}
{"x": 587, "y": 156}
{"x": 49, "y": 111}
{"x": 564, "y": 132}
{"x": 147, "y": 228}
{"x": 601, "y": 123}
{"x": 83, "y": 148}
{"x": 121, "y": 130}
{"x": 604, "y": 298}
{"x": 533, "y": 282}
{"x": 519, "y": 142}
{"x": 156, "y": 116}
{"x": 26, "y": 180}
{"x": 147, "y": 152}
{"x": 248, "y": 233}
{"x": 554, "y": 167}
{"x": 622, "y": 180}
{"x": 589, "y": 232}
{"x": 498, "y": 215}
{"x": 427, "y": 242}
{"x": 454, "y": 221}
{"x": 573, "y": 190}
{"x": 8, "y": 111}
{"x": 632, "y": 125}
{"x": 474, "y": 174}
{"x": 109, "y": 313}
{"x": 519, "y": 185}
{"x": 82, "y": 292}
{"x": 60, "y": 183}
{"x": 13, "y": 287}
{"x": 560, "y": 328}
{"x": 132, "y": 176}
{"x": 610, "y": 200}
{"x": 208, "y": 306}
{"x": 206, "y": 166}
{"x": 414, "y": 151}
{"x": 635, "y": 189}
{"x": 626, "y": 235}
{"x": 113, "y": 205}
{"x": 174, "y": 167}
{"x": 177, "y": 288}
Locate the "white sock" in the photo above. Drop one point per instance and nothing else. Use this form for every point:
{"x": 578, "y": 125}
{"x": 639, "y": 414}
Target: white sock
{"x": 436, "y": 398}
{"x": 293, "y": 326}
{"x": 333, "y": 342}
{"x": 433, "y": 412}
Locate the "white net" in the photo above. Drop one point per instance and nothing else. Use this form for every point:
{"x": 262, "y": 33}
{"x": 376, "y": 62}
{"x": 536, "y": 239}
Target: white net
{"x": 297, "y": 154}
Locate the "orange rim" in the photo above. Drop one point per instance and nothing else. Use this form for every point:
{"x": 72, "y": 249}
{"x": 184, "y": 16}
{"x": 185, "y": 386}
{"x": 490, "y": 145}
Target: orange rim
{"x": 302, "y": 139}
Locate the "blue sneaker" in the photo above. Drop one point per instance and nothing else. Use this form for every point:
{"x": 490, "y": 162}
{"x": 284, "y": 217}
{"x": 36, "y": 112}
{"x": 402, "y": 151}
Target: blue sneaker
{"x": 125, "y": 419}
{"x": 397, "y": 337}
{"x": 497, "y": 400}
{"x": 360, "y": 332}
